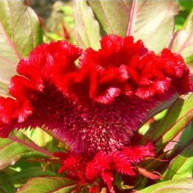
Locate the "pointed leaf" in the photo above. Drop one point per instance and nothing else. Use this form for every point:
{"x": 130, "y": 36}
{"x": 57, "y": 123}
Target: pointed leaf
{"x": 176, "y": 119}
{"x": 148, "y": 174}
{"x": 12, "y": 176}
{"x": 17, "y": 147}
{"x": 47, "y": 184}
{"x": 182, "y": 163}
{"x": 19, "y": 33}
{"x": 86, "y": 27}
{"x": 163, "y": 106}
{"x": 172, "y": 186}
{"x": 144, "y": 19}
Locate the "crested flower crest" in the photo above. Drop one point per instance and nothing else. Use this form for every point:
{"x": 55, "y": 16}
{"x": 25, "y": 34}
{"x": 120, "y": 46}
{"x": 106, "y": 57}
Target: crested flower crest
{"x": 95, "y": 101}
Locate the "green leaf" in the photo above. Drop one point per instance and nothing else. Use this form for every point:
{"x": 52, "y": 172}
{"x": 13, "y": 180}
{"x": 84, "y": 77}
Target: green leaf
{"x": 17, "y": 147}
{"x": 151, "y": 21}
{"x": 182, "y": 164}
{"x": 86, "y": 27}
{"x": 176, "y": 119}
{"x": 186, "y": 5}
{"x": 163, "y": 106}
{"x": 17, "y": 176}
{"x": 172, "y": 186}
{"x": 39, "y": 136}
{"x": 6, "y": 187}
{"x": 185, "y": 9}
{"x": 47, "y": 185}
{"x": 19, "y": 32}
{"x": 183, "y": 40}
{"x": 42, "y": 139}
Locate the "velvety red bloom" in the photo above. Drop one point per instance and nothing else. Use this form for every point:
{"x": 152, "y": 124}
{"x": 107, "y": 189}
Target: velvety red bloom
{"x": 104, "y": 166}
{"x": 97, "y": 105}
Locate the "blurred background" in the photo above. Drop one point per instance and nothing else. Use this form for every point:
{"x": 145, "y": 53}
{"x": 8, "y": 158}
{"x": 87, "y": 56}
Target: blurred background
{"x": 56, "y": 17}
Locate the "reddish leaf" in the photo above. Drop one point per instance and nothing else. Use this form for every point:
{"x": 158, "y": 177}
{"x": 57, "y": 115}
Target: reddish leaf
{"x": 148, "y": 174}
{"x": 146, "y": 20}
{"x": 19, "y": 33}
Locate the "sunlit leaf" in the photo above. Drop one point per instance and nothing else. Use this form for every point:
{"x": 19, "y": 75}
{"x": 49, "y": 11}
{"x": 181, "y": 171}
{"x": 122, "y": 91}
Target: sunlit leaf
{"x": 172, "y": 186}
{"x": 151, "y": 21}
{"x": 112, "y": 15}
{"x": 86, "y": 27}
{"x": 17, "y": 147}
{"x": 11, "y": 178}
{"x": 39, "y": 136}
{"x": 182, "y": 163}
{"x": 159, "y": 108}
{"x": 42, "y": 139}
{"x": 19, "y": 33}
{"x": 47, "y": 184}
{"x": 176, "y": 119}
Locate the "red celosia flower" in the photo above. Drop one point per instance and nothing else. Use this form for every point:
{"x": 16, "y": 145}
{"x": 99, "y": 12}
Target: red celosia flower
{"x": 96, "y": 107}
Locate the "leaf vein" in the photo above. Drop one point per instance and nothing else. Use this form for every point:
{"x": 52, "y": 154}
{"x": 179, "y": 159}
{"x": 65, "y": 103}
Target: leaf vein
{"x": 13, "y": 33}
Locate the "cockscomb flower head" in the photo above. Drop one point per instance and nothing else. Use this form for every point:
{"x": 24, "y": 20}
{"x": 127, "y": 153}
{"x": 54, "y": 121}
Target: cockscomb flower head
{"x": 95, "y": 106}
